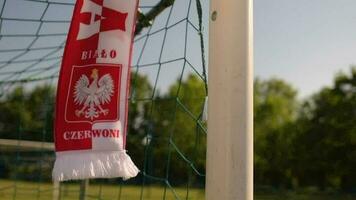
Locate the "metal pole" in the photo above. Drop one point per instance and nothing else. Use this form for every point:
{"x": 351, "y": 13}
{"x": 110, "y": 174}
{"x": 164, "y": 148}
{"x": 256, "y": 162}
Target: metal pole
{"x": 230, "y": 120}
{"x": 56, "y": 191}
{"x": 84, "y": 184}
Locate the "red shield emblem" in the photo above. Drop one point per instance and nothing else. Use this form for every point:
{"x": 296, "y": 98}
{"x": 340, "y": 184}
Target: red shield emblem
{"x": 93, "y": 94}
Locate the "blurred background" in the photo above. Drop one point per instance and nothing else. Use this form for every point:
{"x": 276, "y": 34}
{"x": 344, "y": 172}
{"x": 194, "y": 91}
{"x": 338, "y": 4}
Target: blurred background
{"x": 305, "y": 90}
{"x": 304, "y": 100}
{"x": 167, "y": 135}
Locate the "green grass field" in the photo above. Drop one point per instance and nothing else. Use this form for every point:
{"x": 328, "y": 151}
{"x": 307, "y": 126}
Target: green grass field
{"x": 300, "y": 196}
{"x": 10, "y": 190}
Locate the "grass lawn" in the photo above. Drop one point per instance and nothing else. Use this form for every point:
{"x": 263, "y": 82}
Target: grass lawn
{"x": 20, "y": 190}
{"x": 301, "y": 196}
{"x": 9, "y": 190}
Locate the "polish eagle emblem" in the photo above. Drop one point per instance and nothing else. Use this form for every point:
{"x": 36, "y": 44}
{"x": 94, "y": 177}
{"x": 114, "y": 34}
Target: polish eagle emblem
{"x": 91, "y": 96}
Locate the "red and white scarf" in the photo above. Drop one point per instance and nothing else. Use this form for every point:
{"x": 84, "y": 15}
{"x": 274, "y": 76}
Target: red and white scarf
{"x": 93, "y": 88}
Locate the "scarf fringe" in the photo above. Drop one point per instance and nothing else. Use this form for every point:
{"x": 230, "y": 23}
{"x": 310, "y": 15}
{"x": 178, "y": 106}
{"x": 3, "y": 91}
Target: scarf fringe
{"x": 94, "y": 165}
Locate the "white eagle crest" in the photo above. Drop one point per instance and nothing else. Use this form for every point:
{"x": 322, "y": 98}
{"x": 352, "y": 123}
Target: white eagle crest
{"x": 99, "y": 92}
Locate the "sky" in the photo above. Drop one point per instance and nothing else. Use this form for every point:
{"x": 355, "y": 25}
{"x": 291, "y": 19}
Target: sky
{"x": 305, "y": 42}
{"x": 165, "y": 51}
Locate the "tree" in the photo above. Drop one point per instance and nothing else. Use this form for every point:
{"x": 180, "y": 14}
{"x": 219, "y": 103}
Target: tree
{"x": 327, "y": 141}
{"x": 139, "y": 119}
{"x": 275, "y": 108}
{"x": 12, "y": 113}
{"x": 28, "y": 113}
{"x": 177, "y": 137}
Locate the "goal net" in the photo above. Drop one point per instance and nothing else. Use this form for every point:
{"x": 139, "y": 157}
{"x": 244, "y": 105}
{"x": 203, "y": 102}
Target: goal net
{"x": 166, "y": 133}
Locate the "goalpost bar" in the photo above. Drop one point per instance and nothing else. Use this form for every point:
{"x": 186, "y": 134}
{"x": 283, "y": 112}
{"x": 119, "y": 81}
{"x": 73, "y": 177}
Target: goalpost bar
{"x": 230, "y": 120}
{"x": 25, "y": 144}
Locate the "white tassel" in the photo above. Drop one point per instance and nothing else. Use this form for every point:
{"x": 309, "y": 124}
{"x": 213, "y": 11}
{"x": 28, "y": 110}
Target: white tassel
{"x": 85, "y": 165}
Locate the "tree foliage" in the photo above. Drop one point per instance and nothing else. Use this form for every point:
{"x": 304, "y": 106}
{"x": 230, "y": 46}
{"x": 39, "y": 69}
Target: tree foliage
{"x": 28, "y": 114}
{"x": 326, "y": 142}
{"x": 178, "y": 139}
{"x": 311, "y": 144}
{"x": 275, "y": 108}
{"x": 297, "y": 143}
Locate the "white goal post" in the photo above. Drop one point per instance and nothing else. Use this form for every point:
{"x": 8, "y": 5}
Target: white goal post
{"x": 230, "y": 120}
